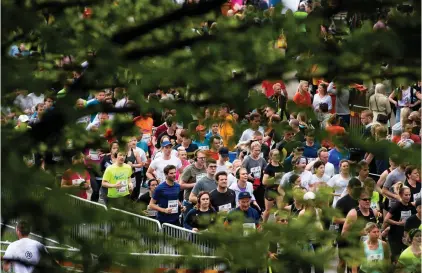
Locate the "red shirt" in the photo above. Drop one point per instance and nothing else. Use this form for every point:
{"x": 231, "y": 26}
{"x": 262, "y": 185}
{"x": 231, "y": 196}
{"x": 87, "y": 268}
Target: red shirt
{"x": 75, "y": 178}
{"x": 268, "y": 87}
{"x": 302, "y": 100}
{"x": 160, "y": 129}
{"x": 334, "y": 130}
{"x": 413, "y": 137}
{"x": 211, "y": 154}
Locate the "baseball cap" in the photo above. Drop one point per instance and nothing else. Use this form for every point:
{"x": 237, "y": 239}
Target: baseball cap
{"x": 200, "y": 128}
{"x": 244, "y": 195}
{"x": 23, "y": 118}
{"x": 223, "y": 151}
{"x": 165, "y": 143}
{"x": 309, "y": 196}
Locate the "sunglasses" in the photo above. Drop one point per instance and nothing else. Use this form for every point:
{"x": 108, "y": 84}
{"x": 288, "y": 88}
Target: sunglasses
{"x": 365, "y": 199}
{"x": 283, "y": 220}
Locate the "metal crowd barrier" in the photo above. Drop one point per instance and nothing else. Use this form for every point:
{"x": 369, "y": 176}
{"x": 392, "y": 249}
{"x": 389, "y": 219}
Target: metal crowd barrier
{"x": 89, "y": 231}
{"x": 356, "y": 127}
{"x": 177, "y": 234}
{"x": 149, "y": 230}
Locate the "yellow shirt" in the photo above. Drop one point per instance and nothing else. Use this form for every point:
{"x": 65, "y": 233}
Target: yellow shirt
{"x": 115, "y": 174}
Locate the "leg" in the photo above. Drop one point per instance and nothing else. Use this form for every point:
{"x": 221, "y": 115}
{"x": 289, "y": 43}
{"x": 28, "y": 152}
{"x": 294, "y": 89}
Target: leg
{"x": 137, "y": 188}
{"x": 95, "y": 188}
{"x": 268, "y": 206}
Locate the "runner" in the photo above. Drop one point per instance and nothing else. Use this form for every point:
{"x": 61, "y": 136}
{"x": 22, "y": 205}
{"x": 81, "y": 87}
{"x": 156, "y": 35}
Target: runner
{"x": 223, "y": 199}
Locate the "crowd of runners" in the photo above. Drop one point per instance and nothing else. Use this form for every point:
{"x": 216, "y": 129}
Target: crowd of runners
{"x": 269, "y": 163}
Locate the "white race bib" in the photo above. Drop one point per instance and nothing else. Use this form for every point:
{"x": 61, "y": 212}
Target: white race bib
{"x": 225, "y": 208}
{"x": 405, "y": 214}
{"x": 123, "y": 188}
{"x": 203, "y": 148}
{"x": 248, "y": 228}
{"x": 94, "y": 154}
{"x": 256, "y": 172}
{"x": 77, "y": 182}
{"x": 416, "y": 196}
{"x": 174, "y": 205}
{"x": 374, "y": 257}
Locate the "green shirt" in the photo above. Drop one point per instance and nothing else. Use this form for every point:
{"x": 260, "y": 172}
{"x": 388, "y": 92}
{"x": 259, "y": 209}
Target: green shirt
{"x": 115, "y": 174}
{"x": 410, "y": 262}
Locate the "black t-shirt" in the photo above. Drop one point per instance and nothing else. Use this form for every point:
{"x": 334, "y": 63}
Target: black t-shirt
{"x": 272, "y": 170}
{"x": 398, "y": 212}
{"x": 412, "y": 222}
{"x": 144, "y": 198}
{"x": 219, "y": 199}
{"x": 200, "y": 219}
{"x": 415, "y": 191}
{"x": 344, "y": 205}
{"x": 172, "y": 138}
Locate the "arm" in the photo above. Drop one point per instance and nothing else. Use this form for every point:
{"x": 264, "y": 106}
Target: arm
{"x": 184, "y": 178}
{"x": 150, "y": 173}
{"x": 331, "y": 89}
{"x": 187, "y": 223}
{"x": 66, "y": 184}
{"x": 139, "y": 162}
{"x": 369, "y": 158}
{"x": 105, "y": 184}
{"x": 350, "y": 220}
{"x": 193, "y": 197}
{"x": 382, "y": 178}
{"x": 388, "y": 193}
{"x": 390, "y": 221}
{"x": 387, "y": 253}
{"x": 153, "y": 205}
{"x": 310, "y": 165}
{"x": 391, "y": 98}
{"x": 265, "y": 179}
{"x": 330, "y": 103}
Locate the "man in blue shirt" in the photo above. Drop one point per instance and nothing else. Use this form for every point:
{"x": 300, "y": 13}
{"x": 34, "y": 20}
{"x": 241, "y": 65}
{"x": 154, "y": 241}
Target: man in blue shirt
{"x": 165, "y": 199}
{"x": 251, "y": 215}
{"x": 337, "y": 154}
{"x": 99, "y": 98}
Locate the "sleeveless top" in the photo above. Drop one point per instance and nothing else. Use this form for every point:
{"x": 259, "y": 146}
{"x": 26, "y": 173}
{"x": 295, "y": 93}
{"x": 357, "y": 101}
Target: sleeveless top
{"x": 367, "y": 219}
{"x": 294, "y": 211}
{"x": 372, "y": 257}
{"x": 131, "y": 158}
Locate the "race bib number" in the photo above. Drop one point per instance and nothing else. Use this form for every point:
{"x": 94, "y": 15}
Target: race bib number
{"x": 256, "y": 172}
{"x": 77, "y": 182}
{"x": 405, "y": 214}
{"x": 200, "y": 176}
{"x": 374, "y": 257}
{"x": 248, "y": 228}
{"x": 123, "y": 188}
{"x": 225, "y": 208}
{"x": 374, "y": 205}
{"x": 94, "y": 154}
{"x": 174, "y": 206}
{"x": 204, "y": 148}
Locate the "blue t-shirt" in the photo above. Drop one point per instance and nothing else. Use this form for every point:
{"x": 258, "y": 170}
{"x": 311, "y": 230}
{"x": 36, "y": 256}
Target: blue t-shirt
{"x": 251, "y": 215}
{"x": 311, "y": 151}
{"x": 92, "y": 102}
{"x": 209, "y": 135}
{"x": 165, "y": 194}
{"x": 142, "y": 145}
{"x": 204, "y": 145}
{"x": 334, "y": 157}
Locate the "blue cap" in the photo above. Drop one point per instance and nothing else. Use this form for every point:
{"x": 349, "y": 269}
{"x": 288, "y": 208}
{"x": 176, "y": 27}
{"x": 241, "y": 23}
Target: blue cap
{"x": 165, "y": 143}
{"x": 244, "y": 194}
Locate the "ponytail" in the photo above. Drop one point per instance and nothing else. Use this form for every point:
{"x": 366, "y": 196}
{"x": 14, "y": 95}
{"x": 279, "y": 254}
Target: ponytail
{"x": 399, "y": 187}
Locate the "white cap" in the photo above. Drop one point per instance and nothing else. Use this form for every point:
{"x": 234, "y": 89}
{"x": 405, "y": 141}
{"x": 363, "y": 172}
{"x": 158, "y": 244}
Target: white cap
{"x": 23, "y": 118}
{"x": 309, "y": 196}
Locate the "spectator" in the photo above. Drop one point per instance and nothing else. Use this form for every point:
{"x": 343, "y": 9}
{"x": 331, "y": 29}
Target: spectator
{"x": 302, "y": 97}
{"x": 379, "y": 103}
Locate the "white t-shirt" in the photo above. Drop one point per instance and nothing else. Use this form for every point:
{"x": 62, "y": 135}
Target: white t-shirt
{"x": 159, "y": 154}
{"x": 248, "y": 134}
{"x": 329, "y": 168}
{"x": 318, "y": 100}
{"x": 143, "y": 158}
{"x": 237, "y": 190}
{"x": 305, "y": 178}
{"x": 26, "y": 250}
{"x": 159, "y": 164}
{"x": 339, "y": 184}
{"x": 314, "y": 179}
{"x": 405, "y": 98}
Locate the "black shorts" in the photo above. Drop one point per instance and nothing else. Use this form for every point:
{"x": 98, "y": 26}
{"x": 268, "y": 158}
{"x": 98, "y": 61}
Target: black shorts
{"x": 271, "y": 194}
